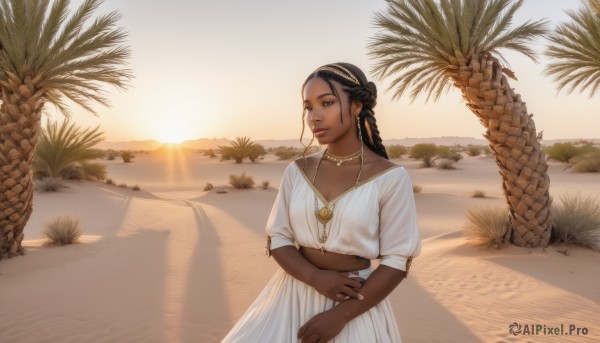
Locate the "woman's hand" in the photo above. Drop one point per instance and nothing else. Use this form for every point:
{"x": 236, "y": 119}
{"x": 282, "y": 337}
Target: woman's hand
{"x": 322, "y": 327}
{"x": 335, "y": 285}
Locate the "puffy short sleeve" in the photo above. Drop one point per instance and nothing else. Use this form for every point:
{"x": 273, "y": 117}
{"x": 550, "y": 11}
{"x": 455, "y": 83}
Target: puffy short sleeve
{"x": 279, "y": 231}
{"x": 399, "y": 239}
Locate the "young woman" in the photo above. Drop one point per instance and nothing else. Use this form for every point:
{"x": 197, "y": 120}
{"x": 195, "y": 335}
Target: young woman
{"x": 335, "y": 212}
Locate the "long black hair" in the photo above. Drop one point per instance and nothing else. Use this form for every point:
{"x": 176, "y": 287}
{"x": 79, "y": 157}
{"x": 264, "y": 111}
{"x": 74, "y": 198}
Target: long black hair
{"x": 358, "y": 88}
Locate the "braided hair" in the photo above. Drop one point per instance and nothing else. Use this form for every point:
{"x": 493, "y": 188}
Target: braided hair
{"x": 357, "y": 87}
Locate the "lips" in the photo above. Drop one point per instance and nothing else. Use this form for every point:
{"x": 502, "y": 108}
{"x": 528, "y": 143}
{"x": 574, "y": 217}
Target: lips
{"x": 316, "y": 131}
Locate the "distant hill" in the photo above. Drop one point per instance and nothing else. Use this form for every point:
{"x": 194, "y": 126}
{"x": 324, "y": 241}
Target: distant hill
{"x": 214, "y": 143}
{"x": 131, "y": 145}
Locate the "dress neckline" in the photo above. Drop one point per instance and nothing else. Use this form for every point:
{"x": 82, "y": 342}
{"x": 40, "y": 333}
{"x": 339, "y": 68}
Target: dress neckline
{"x": 361, "y": 183}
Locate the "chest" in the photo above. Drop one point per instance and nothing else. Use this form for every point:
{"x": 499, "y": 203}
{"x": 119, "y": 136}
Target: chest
{"x": 332, "y": 182}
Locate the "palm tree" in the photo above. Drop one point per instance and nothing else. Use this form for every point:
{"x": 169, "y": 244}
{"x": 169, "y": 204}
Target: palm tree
{"x": 430, "y": 46}
{"x": 239, "y": 149}
{"x": 575, "y": 49}
{"x": 60, "y": 147}
{"x": 46, "y": 56}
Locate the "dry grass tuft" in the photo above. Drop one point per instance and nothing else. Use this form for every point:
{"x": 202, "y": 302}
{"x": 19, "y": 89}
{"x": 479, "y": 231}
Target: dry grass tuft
{"x": 136, "y": 188}
{"x": 110, "y": 182}
{"x": 241, "y": 181}
{"x": 478, "y": 194}
{"x": 208, "y": 187}
{"x": 62, "y": 230}
{"x": 265, "y": 184}
{"x": 577, "y": 220}
{"x": 417, "y": 189}
{"x": 445, "y": 164}
{"x": 487, "y": 226}
{"x": 49, "y": 184}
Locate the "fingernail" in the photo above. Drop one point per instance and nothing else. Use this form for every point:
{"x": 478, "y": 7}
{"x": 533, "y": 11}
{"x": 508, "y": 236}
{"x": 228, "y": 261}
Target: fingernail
{"x": 360, "y": 297}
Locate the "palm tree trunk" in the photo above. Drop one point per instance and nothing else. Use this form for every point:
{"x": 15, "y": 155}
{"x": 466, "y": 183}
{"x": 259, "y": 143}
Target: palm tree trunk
{"x": 512, "y": 136}
{"x": 19, "y": 126}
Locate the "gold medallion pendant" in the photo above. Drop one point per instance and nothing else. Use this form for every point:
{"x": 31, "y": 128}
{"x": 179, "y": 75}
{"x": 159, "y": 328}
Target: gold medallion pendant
{"x": 324, "y": 215}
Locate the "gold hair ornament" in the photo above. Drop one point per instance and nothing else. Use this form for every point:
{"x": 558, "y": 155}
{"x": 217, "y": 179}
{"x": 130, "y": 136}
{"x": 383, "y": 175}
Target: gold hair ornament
{"x": 342, "y": 72}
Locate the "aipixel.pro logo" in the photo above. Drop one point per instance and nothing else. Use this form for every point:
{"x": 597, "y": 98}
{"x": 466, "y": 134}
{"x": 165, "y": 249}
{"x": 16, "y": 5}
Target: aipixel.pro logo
{"x": 516, "y": 329}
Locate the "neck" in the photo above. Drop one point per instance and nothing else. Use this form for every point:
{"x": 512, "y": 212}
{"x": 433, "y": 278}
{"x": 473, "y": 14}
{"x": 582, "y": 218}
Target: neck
{"x": 343, "y": 150}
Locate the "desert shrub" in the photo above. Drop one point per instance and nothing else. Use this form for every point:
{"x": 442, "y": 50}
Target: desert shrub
{"x": 488, "y": 151}
{"x": 396, "y": 150}
{"x": 210, "y": 153}
{"x": 64, "y": 146}
{"x": 49, "y": 184}
{"x": 425, "y": 152}
{"x": 136, "y": 188}
{"x": 127, "y": 156}
{"x": 208, "y": 187}
{"x": 111, "y": 154}
{"x": 123, "y": 185}
{"x": 94, "y": 170}
{"x": 72, "y": 172}
{"x": 62, "y": 230}
{"x": 445, "y": 163}
{"x": 110, "y": 182}
{"x": 255, "y": 151}
{"x": 576, "y": 220}
{"x": 562, "y": 152}
{"x": 286, "y": 153}
{"x": 241, "y": 181}
{"x": 265, "y": 184}
{"x": 447, "y": 153}
{"x": 478, "y": 194}
{"x": 417, "y": 189}
{"x": 586, "y": 163}
{"x": 474, "y": 150}
{"x": 487, "y": 226}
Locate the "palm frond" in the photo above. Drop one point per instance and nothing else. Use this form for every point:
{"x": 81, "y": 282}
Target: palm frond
{"x": 595, "y": 6}
{"x": 70, "y": 57}
{"x": 575, "y": 51}
{"x": 420, "y": 41}
{"x": 60, "y": 146}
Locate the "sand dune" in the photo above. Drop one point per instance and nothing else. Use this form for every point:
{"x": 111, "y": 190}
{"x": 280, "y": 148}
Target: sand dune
{"x": 172, "y": 263}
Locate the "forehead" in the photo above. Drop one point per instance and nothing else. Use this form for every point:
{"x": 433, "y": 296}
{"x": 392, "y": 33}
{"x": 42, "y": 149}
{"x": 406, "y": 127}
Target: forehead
{"x": 318, "y": 86}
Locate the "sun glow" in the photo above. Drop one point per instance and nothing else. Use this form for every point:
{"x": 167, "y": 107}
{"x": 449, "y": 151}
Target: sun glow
{"x": 172, "y": 133}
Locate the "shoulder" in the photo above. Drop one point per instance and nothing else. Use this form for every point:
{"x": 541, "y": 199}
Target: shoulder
{"x": 307, "y": 163}
{"x": 377, "y": 164}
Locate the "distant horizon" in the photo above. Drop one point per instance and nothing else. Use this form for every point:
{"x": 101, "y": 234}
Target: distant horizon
{"x": 214, "y": 143}
{"x": 296, "y": 139}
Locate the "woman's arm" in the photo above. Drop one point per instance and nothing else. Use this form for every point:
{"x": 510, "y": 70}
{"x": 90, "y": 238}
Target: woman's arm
{"x": 332, "y": 284}
{"x": 326, "y": 325}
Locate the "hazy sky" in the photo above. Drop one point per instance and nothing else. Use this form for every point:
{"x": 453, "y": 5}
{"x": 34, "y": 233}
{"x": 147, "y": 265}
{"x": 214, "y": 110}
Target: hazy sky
{"x": 235, "y": 68}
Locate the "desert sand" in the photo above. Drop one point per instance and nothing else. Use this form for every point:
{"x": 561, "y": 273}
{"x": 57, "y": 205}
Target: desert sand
{"x": 173, "y": 263}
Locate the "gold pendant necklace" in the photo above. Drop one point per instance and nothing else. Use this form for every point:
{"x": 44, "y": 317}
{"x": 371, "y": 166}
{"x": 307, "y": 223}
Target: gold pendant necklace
{"x": 325, "y": 213}
{"x": 341, "y": 159}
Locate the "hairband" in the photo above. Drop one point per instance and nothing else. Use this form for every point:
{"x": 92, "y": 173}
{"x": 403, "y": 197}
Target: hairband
{"x": 348, "y": 75}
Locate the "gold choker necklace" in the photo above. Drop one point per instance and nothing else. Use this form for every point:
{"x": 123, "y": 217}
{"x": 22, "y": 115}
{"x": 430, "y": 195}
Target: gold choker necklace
{"x": 341, "y": 159}
{"x": 325, "y": 213}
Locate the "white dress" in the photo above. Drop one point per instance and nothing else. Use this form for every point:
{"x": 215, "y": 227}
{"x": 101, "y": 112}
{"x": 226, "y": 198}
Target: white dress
{"x": 376, "y": 219}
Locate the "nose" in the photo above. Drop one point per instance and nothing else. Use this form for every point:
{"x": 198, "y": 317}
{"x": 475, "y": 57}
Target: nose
{"x": 315, "y": 115}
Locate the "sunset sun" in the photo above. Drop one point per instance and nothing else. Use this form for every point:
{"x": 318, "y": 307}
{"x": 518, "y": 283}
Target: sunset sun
{"x": 172, "y": 133}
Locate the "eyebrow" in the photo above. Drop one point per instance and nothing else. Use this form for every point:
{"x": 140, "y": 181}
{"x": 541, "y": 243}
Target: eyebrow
{"x": 322, "y": 96}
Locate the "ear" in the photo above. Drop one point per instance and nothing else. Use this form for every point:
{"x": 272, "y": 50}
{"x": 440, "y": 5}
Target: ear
{"x": 356, "y": 108}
